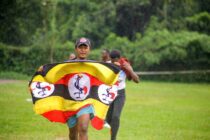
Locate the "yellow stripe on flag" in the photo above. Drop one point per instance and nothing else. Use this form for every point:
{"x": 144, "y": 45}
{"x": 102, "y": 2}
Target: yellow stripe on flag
{"x": 39, "y": 78}
{"x": 59, "y": 103}
{"x": 98, "y": 70}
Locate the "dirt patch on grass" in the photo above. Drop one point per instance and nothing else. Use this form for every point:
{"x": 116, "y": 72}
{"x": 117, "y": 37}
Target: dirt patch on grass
{"x": 6, "y": 81}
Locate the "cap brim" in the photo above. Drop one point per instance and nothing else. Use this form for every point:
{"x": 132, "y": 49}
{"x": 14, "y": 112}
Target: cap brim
{"x": 86, "y": 44}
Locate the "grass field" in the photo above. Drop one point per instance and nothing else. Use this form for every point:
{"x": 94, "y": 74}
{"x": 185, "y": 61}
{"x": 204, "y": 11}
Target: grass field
{"x": 153, "y": 111}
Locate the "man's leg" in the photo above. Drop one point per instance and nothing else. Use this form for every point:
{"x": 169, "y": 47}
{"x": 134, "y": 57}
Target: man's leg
{"x": 83, "y": 122}
{"x": 73, "y": 133}
{"x": 117, "y": 109}
{"x": 109, "y": 113}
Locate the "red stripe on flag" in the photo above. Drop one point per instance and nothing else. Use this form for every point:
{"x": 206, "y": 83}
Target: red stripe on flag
{"x": 97, "y": 123}
{"x": 55, "y": 116}
{"x": 95, "y": 81}
{"x": 60, "y": 116}
{"x": 64, "y": 80}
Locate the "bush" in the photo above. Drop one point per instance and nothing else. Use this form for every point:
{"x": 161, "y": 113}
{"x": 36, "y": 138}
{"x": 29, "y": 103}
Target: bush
{"x": 14, "y": 75}
{"x": 157, "y": 50}
{"x": 26, "y": 60}
{"x": 199, "y": 22}
{"x": 164, "y": 50}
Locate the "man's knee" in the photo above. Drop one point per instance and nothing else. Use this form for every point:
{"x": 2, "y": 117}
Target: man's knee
{"x": 83, "y": 122}
{"x": 83, "y": 128}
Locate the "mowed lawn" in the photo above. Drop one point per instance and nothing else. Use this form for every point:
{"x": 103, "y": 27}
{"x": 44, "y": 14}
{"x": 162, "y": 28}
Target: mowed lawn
{"x": 153, "y": 111}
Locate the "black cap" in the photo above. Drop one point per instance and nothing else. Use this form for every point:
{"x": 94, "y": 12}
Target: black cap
{"x": 115, "y": 54}
{"x": 82, "y": 41}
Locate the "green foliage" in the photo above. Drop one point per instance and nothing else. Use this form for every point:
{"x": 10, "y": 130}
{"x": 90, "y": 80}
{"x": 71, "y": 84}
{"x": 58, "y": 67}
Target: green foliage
{"x": 199, "y": 22}
{"x": 114, "y": 41}
{"x": 27, "y": 60}
{"x": 85, "y": 18}
{"x": 161, "y": 49}
{"x": 121, "y": 43}
{"x": 10, "y": 57}
{"x": 129, "y": 22}
{"x": 153, "y": 35}
{"x": 203, "y": 5}
{"x": 23, "y": 20}
{"x": 62, "y": 51}
{"x": 95, "y": 55}
{"x": 19, "y": 21}
{"x": 13, "y": 75}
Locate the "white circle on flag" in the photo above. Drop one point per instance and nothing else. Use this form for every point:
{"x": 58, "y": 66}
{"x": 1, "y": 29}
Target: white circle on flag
{"x": 107, "y": 93}
{"x": 42, "y": 89}
{"x": 79, "y": 86}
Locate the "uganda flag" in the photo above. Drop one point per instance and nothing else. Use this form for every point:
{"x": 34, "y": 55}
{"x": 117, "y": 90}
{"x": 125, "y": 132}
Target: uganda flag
{"x": 60, "y": 90}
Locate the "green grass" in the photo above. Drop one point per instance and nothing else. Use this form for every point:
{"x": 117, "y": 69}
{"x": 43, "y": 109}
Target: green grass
{"x": 153, "y": 111}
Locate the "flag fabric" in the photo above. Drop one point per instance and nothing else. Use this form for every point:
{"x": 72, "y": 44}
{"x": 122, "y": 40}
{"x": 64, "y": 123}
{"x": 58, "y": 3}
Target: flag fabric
{"x": 60, "y": 90}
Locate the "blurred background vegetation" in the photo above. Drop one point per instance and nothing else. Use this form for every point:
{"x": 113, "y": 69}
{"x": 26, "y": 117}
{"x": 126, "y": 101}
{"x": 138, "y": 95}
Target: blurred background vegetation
{"x": 155, "y": 35}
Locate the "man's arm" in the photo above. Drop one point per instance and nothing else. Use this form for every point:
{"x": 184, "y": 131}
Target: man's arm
{"x": 129, "y": 69}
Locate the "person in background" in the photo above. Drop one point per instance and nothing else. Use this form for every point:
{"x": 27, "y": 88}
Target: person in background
{"x": 115, "y": 109}
{"x": 72, "y": 56}
{"x": 105, "y": 56}
{"x": 78, "y": 124}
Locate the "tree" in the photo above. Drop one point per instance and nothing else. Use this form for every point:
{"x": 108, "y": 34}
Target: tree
{"x": 93, "y": 19}
{"x": 133, "y": 16}
{"x": 199, "y": 22}
{"x": 19, "y": 21}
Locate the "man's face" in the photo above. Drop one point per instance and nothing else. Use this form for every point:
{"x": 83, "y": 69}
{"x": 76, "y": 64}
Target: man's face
{"x": 82, "y": 51}
{"x": 115, "y": 61}
{"x": 104, "y": 54}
